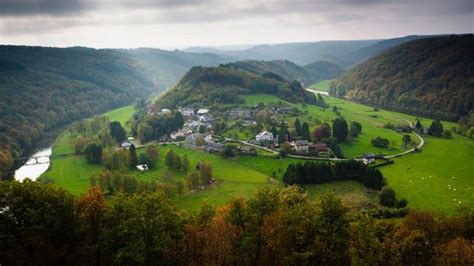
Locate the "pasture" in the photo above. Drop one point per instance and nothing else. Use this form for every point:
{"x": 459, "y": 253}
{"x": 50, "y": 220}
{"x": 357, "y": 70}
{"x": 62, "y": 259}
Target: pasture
{"x": 322, "y": 85}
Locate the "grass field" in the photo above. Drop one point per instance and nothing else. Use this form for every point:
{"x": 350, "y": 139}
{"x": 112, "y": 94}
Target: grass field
{"x": 352, "y": 193}
{"x": 121, "y": 115}
{"x": 322, "y": 85}
{"x": 440, "y": 178}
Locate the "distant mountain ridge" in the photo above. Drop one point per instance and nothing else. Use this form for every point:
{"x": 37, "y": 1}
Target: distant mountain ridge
{"x": 343, "y": 53}
{"x": 431, "y": 76}
{"x": 290, "y": 71}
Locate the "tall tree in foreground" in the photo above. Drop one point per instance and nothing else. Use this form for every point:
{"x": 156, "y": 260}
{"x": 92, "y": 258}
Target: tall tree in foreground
{"x": 92, "y": 208}
{"x": 38, "y": 224}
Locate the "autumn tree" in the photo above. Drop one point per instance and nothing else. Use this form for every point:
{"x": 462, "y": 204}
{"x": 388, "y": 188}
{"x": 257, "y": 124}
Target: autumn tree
{"x": 6, "y": 162}
{"x": 92, "y": 208}
{"x": 153, "y": 152}
{"x": 205, "y": 170}
{"x": 322, "y": 132}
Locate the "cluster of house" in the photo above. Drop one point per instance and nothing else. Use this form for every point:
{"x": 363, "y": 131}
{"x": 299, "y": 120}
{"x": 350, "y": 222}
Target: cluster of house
{"x": 204, "y": 141}
{"x": 298, "y": 146}
{"x": 194, "y": 121}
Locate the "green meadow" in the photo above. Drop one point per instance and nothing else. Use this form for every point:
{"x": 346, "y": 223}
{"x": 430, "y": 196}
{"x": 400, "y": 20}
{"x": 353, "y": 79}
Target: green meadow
{"x": 439, "y": 178}
{"x": 322, "y": 85}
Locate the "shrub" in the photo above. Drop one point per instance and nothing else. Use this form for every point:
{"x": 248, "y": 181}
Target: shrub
{"x": 387, "y": 197}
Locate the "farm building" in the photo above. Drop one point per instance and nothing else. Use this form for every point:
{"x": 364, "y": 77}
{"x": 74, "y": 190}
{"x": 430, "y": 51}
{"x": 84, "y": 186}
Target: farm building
{"x": 301, "y": 146}
{"x": 264, "y": 136}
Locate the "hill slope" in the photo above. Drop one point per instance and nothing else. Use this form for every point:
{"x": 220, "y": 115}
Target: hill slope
{"x": 43, "y": 88}
{"x": 433, "y": 77}
{"x": 206, "y": 86}
{"x": 363, "y": 54}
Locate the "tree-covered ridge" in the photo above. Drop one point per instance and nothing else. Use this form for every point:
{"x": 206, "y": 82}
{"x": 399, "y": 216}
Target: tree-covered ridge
{"x": 43, "y": 88}
{"x": 206, "y": 86}
{"x": 432, "y": 77}
{"x": 290, "y": 71}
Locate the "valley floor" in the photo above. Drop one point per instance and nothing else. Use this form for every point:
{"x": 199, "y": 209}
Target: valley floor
{"x": 440, "y": 178}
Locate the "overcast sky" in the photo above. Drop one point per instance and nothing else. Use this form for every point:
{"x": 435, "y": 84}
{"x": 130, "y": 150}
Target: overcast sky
{"x": 178, "y": 23}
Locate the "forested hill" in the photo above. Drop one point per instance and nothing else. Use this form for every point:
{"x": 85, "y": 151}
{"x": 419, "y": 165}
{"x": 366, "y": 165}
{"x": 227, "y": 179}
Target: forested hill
{"x": 42, "y": 88}
{"x": 432, "y": 76}
{"x": 207, "y": 86}
{"x": 290, "y": 71}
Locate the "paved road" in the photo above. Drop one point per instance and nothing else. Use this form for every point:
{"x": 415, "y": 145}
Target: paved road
{"x": 422, "y": 142}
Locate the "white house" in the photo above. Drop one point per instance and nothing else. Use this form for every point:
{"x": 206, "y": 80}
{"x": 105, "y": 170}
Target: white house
{"x": 202, "y": 111}
{"x": 142, "y": 167}
{"x": 126, "y": 145}
{"x": 165, "y": 111}
{"x": 264, "y": 136}
{"x": 186, "y": 111}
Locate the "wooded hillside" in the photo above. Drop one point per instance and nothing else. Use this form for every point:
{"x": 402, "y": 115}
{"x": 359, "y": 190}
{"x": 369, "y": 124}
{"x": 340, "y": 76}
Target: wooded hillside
{"x": 205, "y": 86}
{"x": 43, "y": 88}
{"x": 432, "y": 77}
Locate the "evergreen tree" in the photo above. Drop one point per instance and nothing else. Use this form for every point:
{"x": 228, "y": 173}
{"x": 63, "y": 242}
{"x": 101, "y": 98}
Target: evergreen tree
{"x": 419, "y": 127}
{"x": 117, "y": 131}
{"x": 178, "y": 120}
{"x": 305, "y": 131}
{"x": 339, "y": 129}
{"x": 185, "y": 164}
{"x": 93, "y": 153}
{"x": 133, "y": 156}
{"x": 298, "y": 127}
{"x": 436, "y": 128}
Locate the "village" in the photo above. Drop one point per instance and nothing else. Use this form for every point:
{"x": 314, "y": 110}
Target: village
{"x": 200, "y": 131}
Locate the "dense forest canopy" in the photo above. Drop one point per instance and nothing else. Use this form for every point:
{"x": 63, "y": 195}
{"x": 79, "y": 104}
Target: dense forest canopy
{"x": 432, "y": 77}
{"x": 43, "y": 88}
{"x": 290, "y": 71}
{"x": 273, "y": 227}
{"x": 205, "y": 86}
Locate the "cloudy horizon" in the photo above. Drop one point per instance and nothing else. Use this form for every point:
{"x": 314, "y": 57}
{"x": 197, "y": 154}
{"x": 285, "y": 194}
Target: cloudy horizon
{"x": 186, "y": 23}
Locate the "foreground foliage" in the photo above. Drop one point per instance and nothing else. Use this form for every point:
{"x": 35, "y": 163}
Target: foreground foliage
{"x": 43, "y": 225}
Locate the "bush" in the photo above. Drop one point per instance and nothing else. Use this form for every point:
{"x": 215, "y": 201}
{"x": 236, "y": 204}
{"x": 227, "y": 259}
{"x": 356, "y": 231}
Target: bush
{"x": 402, "y": 203}
{"x": 387, "y": 197}
{"x": 229, "y": 151}
{"x": 380, "y": 142}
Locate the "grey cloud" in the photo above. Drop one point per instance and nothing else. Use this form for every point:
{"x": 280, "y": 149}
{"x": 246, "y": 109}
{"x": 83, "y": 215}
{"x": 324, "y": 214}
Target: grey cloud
{"x": 43, "y": 7}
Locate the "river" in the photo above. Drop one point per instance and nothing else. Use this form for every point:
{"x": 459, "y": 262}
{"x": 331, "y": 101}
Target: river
{"x": 32, "y": 170}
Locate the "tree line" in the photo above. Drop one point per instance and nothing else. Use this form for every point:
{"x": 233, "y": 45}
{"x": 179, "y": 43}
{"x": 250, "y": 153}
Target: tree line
{"x": 273, "y": 227}
{"x": 312, "y": 172}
